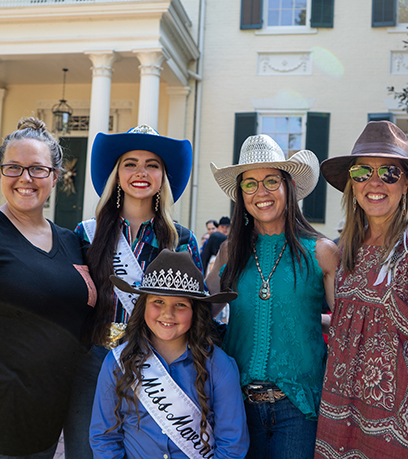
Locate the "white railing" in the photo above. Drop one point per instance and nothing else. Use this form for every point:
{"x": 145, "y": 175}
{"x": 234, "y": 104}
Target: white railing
{"x": 16, "y": 3}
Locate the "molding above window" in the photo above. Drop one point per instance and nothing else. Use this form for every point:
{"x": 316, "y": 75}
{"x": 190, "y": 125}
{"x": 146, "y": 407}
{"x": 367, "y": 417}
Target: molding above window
{"x": 284, "y": 101}
{"x": 284, "y": 63}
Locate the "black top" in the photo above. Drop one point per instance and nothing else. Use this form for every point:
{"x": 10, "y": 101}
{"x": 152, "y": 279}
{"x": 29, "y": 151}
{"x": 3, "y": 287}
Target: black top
{"x": 44, "y": 300}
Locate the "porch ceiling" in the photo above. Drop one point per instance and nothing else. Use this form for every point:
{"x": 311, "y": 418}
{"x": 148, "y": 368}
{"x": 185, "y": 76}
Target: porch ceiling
{"x": 47, "y": 69}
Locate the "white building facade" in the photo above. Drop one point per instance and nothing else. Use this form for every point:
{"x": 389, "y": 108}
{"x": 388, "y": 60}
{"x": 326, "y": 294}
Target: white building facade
{"x": 310, "y": 73}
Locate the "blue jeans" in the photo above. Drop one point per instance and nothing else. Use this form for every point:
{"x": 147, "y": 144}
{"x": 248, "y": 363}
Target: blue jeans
{"x": 279, "y": 431}
{"x": 49, "y": 454}
{"x": 76, "y": 427}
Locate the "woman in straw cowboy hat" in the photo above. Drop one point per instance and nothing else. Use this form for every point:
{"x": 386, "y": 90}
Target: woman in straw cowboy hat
{"x": 138, "y": 174}
{"x": 364, "y": 409}
{"x": 281, "y": 268}
{"x": 170, "y": 351}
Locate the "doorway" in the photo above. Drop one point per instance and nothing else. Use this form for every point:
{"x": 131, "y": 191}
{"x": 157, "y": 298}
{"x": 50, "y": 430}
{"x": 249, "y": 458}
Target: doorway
{"x": 70, "y": 187}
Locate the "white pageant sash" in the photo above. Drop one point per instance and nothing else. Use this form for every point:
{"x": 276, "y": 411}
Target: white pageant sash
{"x": 171, "y": 408}
{"x": 125, "y": 266}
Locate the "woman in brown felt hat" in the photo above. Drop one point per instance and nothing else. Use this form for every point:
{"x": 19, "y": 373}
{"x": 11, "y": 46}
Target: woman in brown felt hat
{"x": 364, "y": 408}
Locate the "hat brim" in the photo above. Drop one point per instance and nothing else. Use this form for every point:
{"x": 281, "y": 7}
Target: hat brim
{"x": 222, "y": 297}
{"x": 176, "y": 154}
{"x": 303, "y": 167}
{"x": 336, "y": 170}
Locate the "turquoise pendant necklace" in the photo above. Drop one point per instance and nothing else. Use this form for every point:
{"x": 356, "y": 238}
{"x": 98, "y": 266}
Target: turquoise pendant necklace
{"x": 265, "y": 290}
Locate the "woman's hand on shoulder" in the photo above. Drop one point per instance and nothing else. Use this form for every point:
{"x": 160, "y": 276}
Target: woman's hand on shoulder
{"x": 328, "y": 254}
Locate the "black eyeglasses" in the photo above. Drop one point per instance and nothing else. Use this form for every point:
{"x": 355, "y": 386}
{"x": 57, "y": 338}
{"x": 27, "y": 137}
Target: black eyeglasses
{"x": 14, "y": 170}
{"x": 388, "y": 174}
{"x": 270, "y": 182}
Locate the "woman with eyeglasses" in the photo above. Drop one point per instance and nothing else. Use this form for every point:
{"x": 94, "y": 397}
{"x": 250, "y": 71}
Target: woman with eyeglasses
{"x": 364, "y": 408}
{"x": 281, "y": 269}
{"x": 46, "y": 294}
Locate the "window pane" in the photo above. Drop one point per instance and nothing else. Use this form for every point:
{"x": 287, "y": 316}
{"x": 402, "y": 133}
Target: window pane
{"x": 286, "y": 18}
{"x": 295, "y": 124}
{"x": 273, "y": 18}
{"x": 282, "y": 140}
{"x": 403, "y": 11}
{"x": 300, "y": 4}
{"x": 295, "y": 142}
{"x": 300, "y": 17}
{"x": 281, "y": 124}
{"x": 287, "y": 3}
{"x": 274, "y": 4}
{"x": 268, "y": 124}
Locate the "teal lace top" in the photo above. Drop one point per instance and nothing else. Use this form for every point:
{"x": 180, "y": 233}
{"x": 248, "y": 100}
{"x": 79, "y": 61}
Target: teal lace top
{"x": 280, "y": 340}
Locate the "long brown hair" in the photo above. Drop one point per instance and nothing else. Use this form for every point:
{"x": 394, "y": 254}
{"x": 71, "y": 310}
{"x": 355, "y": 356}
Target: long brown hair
{"x": 352, "y": 236}
{"x": 100, "y": 253}
{"x": 201, "y": 338}
{"x": 241, "y": 236}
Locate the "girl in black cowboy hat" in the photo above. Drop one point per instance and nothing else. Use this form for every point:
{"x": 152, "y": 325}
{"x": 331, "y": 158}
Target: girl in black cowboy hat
{"x": 168, "y": 391}
{"x": 138, "y": 174}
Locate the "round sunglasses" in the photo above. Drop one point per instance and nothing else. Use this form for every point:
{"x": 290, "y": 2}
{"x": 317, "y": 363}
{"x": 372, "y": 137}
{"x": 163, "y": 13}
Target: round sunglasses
{"x": 270, "y": 182}
{"x": 388, "y": 174}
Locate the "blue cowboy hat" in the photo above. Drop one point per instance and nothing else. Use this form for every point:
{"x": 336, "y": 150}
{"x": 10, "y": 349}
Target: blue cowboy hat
{"x": 177, "y": 155}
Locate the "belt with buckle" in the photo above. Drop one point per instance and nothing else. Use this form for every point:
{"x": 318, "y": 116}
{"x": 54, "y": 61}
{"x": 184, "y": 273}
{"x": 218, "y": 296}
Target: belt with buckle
{"x": 258, "y": 393}
{"x": 116, "y": 333}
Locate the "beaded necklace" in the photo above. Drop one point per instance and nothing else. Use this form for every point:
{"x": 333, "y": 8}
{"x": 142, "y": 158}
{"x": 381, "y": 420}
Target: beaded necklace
{"x": 265, "y": 290}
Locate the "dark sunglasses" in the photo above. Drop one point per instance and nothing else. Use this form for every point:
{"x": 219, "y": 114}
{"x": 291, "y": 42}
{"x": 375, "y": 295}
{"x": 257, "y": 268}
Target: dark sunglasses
{"x": 388, "y": 174}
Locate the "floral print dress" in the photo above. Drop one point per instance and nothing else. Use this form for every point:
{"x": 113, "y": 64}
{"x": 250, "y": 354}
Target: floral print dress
{"x": 364, "y": 407}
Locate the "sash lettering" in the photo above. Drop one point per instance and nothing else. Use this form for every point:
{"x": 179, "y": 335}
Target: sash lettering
{"x": 171, "y": 408}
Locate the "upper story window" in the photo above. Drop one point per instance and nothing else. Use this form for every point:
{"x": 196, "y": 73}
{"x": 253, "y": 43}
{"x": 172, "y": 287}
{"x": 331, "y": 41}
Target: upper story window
{"x": 286, "y": 13}
{"x": 286, "y": 16}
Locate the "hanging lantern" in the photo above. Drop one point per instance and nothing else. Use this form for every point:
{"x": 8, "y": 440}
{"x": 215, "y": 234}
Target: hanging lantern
{"x": 62, "y": 111}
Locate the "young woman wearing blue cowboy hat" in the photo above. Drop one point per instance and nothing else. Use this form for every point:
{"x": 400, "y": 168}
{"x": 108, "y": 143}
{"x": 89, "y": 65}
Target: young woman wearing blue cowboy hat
{"x": 138, "y": 174}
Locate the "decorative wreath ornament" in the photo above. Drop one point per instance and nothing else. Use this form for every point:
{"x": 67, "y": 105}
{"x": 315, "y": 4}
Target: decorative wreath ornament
{"x": 68, "y": 176}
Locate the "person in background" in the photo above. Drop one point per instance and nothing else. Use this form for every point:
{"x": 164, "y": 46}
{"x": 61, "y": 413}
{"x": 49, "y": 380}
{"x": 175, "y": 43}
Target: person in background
{"x": 138, "y": 174}
{"x": 364, "y": 409}
{"x": 46, "y": 293}
{"x": 281, "y": 269}
{"x": 224, "y": 225}
{"x": 339, "y": 228}
{"x": 171, "y": 336}
{"x": 212, "y": 226}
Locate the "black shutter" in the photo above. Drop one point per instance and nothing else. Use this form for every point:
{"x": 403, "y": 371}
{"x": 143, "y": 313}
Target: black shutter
{"x": 251, "y": 14}
{"x": 384, "y": 13}
{"x": 322, "y": 13}
{"x": 379, "y": 117}
{"x": 245, "y": 125}
{"x": 317, "y": 140}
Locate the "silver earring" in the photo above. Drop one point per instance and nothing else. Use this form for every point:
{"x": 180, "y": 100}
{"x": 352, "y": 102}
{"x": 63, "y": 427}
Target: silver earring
{"x": 246, "y": 219}
{"x": 118, "y": 196}
{"x": 156, "y": 207}
{"x": 354, "y": 204}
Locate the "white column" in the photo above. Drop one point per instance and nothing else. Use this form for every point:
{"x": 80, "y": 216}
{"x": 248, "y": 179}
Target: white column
{"x": 150, "y": 70}
{"x": 98, "y": 117}
{"x": 2, "y": 96}
{"x": 176, "y": 127}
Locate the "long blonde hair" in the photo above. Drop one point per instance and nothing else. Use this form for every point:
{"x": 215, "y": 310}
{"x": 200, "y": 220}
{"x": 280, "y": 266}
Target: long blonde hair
{"x": 100, "y": 253}
{"x": 353, "y": 234}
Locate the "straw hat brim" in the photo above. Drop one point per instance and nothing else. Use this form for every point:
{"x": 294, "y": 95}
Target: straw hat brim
{"x": 303, "y": 167}
{"x": 222, "y": 297}
{"x": 336, "y": 170}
